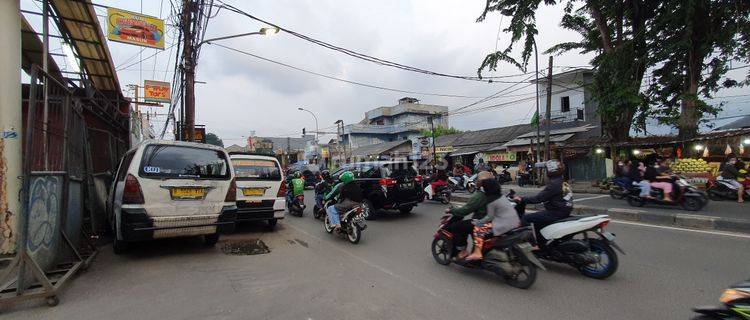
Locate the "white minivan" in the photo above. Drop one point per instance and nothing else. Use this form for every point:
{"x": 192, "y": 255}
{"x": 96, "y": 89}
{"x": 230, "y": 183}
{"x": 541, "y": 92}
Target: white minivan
{"x": 166, "y": 189}
{"x": 261, "y": 191}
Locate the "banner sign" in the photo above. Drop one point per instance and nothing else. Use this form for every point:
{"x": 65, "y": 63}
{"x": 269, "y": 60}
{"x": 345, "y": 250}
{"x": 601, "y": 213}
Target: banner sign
{"x": 157, "y": 91}
{"x": 500, "y": 156}
{"x": 135, "y": 28}
{"x": 447, "y": 149}
{"x": 200, "y": 134}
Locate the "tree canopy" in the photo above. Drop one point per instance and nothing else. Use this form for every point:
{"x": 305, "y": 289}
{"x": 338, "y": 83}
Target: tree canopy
{"x": 440, "y": 131}
{"x": 212, "y": 138}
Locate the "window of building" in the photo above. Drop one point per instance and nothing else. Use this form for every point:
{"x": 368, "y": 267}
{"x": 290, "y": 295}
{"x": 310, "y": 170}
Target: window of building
{"x": 380, "y": 122}
{"x": 580, "y": 114}
{"x": 565, "y": 104}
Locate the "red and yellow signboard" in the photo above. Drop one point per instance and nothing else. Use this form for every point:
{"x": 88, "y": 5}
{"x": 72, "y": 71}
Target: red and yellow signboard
{"x": 156, "y": 91}
{"x": 500, "y": 156}
{"x": 134, "y": 28}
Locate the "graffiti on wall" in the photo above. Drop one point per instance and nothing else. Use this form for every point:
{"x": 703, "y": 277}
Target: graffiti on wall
{"x": 44, "y": 212}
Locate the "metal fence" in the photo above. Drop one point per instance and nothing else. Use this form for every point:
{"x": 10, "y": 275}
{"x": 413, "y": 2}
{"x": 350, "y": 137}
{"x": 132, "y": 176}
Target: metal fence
{"x": 53, "y": 228}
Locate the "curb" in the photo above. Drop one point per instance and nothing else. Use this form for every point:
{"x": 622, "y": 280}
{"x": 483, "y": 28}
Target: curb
{"x": 678, "y": 220}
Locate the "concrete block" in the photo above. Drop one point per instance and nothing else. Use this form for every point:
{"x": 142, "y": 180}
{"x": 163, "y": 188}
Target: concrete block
{"x": 694, "y": 221}
{"x": 734, "y": 225}
{"x": 656, "y": 218}
{"x": 625, "y": 214}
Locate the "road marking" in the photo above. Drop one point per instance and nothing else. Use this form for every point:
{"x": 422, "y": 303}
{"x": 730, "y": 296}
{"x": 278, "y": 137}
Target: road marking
{"x": 718, "y": 233}
{"x": 589, "y": 198}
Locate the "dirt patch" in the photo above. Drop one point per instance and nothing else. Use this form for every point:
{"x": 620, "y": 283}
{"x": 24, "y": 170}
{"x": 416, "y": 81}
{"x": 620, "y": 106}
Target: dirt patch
{"x": 244, "y": 247}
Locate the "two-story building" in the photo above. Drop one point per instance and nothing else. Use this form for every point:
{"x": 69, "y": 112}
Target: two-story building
{"x": 403, "y": 121}
{"x": 571, "y": 101}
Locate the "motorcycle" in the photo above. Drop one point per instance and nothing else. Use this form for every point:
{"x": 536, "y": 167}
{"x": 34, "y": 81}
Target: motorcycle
{"x": 735, "y": 304}
{"x": 721, "y": 189}
{"x": 578, "y": 241}
{"x": 319, "y": 207}
{"x": 464, "y": 182}
{"x": 619, "y": 189}
{"x": 442, "y": 195}
{"x": 685, "y": 195}
{"x": 504, "y": 177}
{"x": 297, "y": 205}
{"x": 509, "y": 256}
{"x": 352, "y": 223}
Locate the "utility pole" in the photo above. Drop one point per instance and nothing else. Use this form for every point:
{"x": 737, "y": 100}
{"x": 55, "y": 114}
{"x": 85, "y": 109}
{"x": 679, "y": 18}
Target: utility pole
{"x": 432, "y": 131}
{"x": 548, "y": 116}
{"x": 189, "y": 66}
{"x": 288, "y": 151}
{"x": 11, "y": 124}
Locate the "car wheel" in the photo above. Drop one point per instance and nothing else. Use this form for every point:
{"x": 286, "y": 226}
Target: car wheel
{"x": 211, "y": 239}
{"x": 272, "y": 223}
{"x": 368, "y": 210}
{"x": 118, "y": 246}
{"x": 406, "y": 210}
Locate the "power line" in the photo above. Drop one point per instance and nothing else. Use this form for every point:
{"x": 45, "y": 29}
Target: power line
{"x": 340, "y": 79}
{"x": 356, "y": 54}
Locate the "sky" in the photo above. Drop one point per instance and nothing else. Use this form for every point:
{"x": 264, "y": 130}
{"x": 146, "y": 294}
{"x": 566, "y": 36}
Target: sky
{"x": 243, "y": 94}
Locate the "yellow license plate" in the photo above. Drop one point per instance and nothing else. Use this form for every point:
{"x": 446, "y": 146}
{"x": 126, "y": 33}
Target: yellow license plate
{"x": 253, "y": 192}
{"x": 188, "y": 193}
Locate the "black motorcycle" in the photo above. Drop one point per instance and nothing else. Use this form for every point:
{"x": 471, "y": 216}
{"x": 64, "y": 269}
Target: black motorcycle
{"x": 723, "y": 190}
{"x": 735, "y": 304}
{"x": 504, "y": 177}
{"x": 296, "y": 206}
{"x": 685, "y": 195}
{"x": 352, "y": 223}
{"x": 319, "y": 208}
{"x": 509, "y": 256}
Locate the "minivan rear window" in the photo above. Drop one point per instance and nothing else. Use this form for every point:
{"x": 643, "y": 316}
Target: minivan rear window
{"x": 256, "y": 169}
{"x": 397, "y": 170}
{"x": 178, "y": 162}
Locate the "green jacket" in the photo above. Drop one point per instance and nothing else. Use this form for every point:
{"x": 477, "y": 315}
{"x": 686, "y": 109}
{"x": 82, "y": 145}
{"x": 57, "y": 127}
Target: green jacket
{"x": 298, "y": 187}
{"x": 477, "y": 204}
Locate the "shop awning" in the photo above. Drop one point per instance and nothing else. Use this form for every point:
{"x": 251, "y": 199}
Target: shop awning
{"x": 467, "y": 150}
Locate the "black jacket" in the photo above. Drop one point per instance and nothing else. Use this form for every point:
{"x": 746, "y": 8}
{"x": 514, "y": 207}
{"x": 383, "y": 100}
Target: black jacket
{"x": 553, "y": 197}
{"x": 351, "y": 191}
{"x": 323, "y": 187}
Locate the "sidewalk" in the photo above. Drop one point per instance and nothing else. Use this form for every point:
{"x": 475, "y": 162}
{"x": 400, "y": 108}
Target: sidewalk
{"x": 717, "y": 215}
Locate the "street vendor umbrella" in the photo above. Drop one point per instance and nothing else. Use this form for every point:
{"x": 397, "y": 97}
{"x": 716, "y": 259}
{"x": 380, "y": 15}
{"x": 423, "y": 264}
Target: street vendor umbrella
{"x": 728, "y": 150}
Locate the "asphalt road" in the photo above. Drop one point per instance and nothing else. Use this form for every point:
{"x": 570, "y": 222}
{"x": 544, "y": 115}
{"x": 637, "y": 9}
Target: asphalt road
{"x": 310, "y": 274}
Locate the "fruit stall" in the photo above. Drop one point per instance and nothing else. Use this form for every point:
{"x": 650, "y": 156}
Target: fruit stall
{"x": 696, "y": 171}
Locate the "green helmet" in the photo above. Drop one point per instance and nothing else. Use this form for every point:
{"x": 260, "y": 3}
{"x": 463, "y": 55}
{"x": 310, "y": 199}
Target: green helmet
{"x": 297, "y": 175}
{"x": 347, "y": 177}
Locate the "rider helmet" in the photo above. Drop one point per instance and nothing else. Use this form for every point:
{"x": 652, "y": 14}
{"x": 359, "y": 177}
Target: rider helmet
{"x": 347, "y": 177}
{"x": 554, "y": 168}
{"x": 297, "y": 175}
{"x": 325, "y": 174}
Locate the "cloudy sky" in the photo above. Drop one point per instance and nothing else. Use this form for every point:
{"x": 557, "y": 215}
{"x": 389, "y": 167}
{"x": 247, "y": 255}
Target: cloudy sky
{"x": 244, "y": 94}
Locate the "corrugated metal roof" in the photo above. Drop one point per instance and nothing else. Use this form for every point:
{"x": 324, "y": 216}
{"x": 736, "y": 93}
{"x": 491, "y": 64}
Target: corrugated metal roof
{"x": 741, "y": 123}
{"x": 379, "y": 148}
{"x": 527, "y": 141}
{"x": 491, "y": 136}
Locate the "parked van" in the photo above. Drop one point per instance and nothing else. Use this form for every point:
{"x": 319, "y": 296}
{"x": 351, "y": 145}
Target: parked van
{"x": 166, "y": 189}
{"x": 261, "y": 191}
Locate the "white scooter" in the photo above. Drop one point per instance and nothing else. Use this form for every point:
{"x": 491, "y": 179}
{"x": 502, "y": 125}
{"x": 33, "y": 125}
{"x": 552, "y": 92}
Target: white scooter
{"x": 464, "y": 182}
{"x": 579, "y": 241}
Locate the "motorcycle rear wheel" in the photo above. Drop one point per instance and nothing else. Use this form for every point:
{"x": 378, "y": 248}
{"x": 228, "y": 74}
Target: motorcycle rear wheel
{"x": 636, "y": 201}
{"x": 442, "y": 250}
{"x": 692, "y": 204}
{"x": 318, "y": 212}
{"x": 354, "y": 234}
{"x": 446, "y": 199}
{"x": 599, "y": 270}
{"x": 527, "y": 269}
{"x": 471, "y": 188}
{"x": 327, "y": 225}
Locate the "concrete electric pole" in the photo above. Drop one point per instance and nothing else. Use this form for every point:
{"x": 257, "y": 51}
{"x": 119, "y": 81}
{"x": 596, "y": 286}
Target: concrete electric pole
{"x": 548, "y": 116}
{"x": 189, "y": 66}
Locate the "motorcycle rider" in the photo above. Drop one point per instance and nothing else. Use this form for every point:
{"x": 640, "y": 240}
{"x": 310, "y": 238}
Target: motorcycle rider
{"x": 481, "y": 166}
{"x": 477, "y": 206}
{"x": 730, "y": 174}
{"x": 556, "y": 196}
{"x": 323, "y": 187}
{"x": 350, "y": 195}
{"x": 656, "y": 175}
{"x": 501, "y": 217}
{"x": 440, "y": 180}
{"x": 295, "y": 187}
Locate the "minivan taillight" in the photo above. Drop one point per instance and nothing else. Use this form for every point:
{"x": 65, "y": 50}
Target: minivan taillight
{"x": 132, "y": 193}
{"x": 387, "y": 182}
{"x": 232, "y": 192}
{"x": 282, "y": 189}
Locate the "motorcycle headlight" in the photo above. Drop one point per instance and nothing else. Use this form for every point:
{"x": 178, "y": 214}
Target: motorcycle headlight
{"x": 730, "y": 295}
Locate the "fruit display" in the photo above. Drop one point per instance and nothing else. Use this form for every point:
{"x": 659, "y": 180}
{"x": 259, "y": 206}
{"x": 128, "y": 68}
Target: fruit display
{"x": 690, "y": 165}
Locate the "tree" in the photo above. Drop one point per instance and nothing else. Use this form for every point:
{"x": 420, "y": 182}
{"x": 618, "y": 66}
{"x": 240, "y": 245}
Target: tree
{"x": 613, "y": 29}
{"x": 440, "y": 131}
{"x": 212, "y": 138}
{"x": 694, "y": 42}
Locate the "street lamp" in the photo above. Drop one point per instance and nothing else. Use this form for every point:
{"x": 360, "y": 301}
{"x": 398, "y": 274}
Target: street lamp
{"x": 263, "y": 31}
{"x": 317, "y": 130}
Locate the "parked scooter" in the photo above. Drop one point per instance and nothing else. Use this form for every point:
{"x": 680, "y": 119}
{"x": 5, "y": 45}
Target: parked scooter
{"x": 735, "y": 304}
{"x": 509, "y": 256}
{"x": 352, "y": 223}
{"x": 578, "y": 241}
{"x": 464, "y": 182}
{"x": 504, "y": 176}
{"x": 685, "y": 195}
{"x": 721, "y": 189}
{"x": 442, "y": 194}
